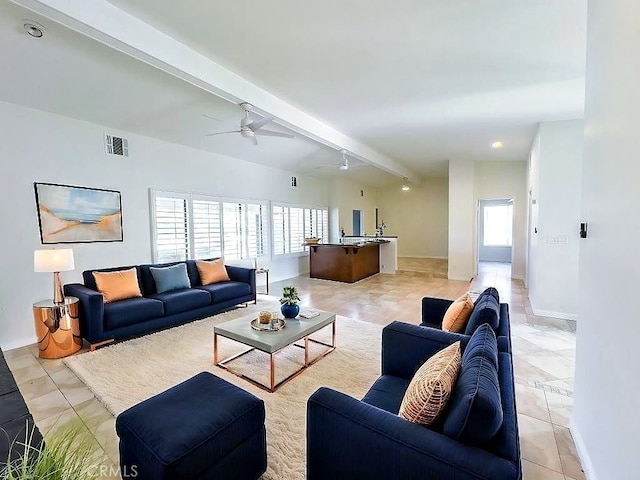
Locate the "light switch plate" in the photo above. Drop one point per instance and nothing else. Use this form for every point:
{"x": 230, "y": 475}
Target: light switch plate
{"x": 558, "y": 240}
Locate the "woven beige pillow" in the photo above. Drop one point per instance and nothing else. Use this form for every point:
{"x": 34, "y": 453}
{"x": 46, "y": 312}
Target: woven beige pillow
{"x": 431, "y": 386}
{"x": 212, "y": 272}
{"x": 457, "y": 315}
{"x": 118, "y": 285}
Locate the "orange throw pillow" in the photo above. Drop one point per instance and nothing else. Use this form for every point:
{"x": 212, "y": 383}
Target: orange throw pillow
{"x": 431, "y": 386}
{"x": 457, "y": 315}
{"x": 118, "y": 285}
{"x": 212, "y": 272}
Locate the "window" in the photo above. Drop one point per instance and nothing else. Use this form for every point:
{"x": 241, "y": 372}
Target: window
{"x": 291, "y": 225}
{"x": 188, "y": 226}
{"x": 206, "y": 229}
{"x": 171, "y": 229}
{"x": 256, "y": 230}
{"x": 234, "y": 240}
{"x": 316, "y": 223}
{"x": 280, "y": 230}
{"x": 497, "y": 231}
{"x": 296, "y": 227}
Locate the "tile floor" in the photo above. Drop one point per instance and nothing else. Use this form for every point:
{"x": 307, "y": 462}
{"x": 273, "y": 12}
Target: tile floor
{"x": 544, "y": 360}
{"x": 424, "y": 267}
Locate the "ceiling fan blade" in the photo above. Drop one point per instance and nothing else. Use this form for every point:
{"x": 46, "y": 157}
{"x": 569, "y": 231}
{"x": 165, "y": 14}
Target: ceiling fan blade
{"x": 256, "y": 124}
{"x": 271, "y": 133}
{"x": 254, "y": 140}
{"x": 221, "y": 133}
{"x": 211, "y": 118}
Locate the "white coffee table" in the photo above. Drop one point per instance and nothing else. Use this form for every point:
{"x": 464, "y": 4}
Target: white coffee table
{"x": 273, "y": 342}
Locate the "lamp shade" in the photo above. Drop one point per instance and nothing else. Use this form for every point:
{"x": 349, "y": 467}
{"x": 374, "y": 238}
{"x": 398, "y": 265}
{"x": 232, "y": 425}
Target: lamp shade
{"x": 53, "y": 260}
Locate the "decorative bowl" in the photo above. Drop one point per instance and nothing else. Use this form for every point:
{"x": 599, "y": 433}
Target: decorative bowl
{"x": 312, "y": 240}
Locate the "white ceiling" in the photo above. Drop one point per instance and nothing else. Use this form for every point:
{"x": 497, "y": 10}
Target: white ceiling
{"x": 419, "y": 81}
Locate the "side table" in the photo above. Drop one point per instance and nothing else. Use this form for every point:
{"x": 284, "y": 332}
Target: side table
{"x": 57, "y": 328}
{"x": 266, "y": 272}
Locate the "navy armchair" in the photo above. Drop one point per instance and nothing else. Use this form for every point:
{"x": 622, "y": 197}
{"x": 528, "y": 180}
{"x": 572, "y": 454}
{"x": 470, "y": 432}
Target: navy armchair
{"x": 487, "y": 309}
{"x": 357, "y": 439}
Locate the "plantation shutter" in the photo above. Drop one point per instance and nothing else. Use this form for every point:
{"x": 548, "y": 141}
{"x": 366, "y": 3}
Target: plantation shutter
{"x": 171, "y": 229}
{"x": 296, "y": 223}
{"x": 256, "y": 230}
{"x": 207, "y": 235}
{"x": 308, "y": 223}
{"x": 280, "y": 227}
{"x": 233, "y": 228}
{"x": 325, "y": 225}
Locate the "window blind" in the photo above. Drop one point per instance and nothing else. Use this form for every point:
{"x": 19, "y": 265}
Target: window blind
{"x": 186, "y": 226}
{"x": 233, "y": 230}
{"x": 256, "y": 230}
{"x": 207, "y": 238}
{"x": 171, "y": 229}
{"x": 296, "y": 228}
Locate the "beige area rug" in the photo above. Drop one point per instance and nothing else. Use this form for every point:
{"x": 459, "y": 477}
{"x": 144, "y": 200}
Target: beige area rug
{"x": 124, "y": 374}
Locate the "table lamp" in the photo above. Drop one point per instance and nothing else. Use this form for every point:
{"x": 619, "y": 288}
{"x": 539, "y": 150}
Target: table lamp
{"x": 54, "y": 261}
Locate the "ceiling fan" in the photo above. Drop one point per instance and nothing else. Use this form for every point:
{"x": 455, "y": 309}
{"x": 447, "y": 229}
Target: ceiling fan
{"x": 344, "y": 163}
{"x": 251, "y": 128}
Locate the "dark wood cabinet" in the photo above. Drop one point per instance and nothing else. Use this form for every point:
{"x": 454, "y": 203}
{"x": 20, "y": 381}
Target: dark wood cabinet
{"x": 344, "y": 263}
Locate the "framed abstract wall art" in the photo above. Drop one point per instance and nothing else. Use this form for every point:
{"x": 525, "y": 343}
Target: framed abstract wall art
{"x": 70, "y": 214}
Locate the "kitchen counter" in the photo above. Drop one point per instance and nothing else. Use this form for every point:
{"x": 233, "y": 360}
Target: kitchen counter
{"x": 344, "y": 262}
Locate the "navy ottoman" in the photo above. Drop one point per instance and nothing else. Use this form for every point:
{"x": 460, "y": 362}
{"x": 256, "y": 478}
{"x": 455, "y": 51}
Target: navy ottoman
{"x": 202, "y": 428}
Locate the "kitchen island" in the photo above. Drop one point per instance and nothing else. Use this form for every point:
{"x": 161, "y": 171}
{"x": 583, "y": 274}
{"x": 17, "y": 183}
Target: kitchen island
{"x": 344, "y": 262}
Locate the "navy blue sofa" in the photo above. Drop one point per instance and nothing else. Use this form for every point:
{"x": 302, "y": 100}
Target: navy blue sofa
{"x": 357, "y": 439}
{"x": 102, "y": 323}
{"x": 487, "y": 309}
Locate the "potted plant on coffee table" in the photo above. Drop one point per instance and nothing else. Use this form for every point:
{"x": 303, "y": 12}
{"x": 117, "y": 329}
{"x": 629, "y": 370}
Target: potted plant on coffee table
{"x": 289, "y": 301}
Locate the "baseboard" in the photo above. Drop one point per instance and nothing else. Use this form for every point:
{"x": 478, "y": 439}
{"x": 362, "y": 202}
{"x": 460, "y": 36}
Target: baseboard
{"x": 587, "y": 466}
{"x": 461, "y": 279}
{"x": 549, "y": 313}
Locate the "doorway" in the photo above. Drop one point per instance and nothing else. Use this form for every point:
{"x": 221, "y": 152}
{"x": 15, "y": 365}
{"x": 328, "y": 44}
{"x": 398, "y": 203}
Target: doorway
{"x": 495, "y": 233}
{"x": 357, "y": 223}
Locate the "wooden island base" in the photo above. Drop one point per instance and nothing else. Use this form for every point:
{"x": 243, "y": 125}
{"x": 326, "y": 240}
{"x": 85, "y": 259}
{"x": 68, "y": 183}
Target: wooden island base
{"x": 344, "y": 263}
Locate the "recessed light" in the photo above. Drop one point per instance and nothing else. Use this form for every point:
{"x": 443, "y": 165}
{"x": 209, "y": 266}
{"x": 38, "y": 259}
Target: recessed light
{"x": 497, "y": 145}
{"x": 33, "y": 28}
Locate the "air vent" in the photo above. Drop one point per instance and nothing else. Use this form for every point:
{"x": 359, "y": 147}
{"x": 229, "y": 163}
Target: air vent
{"x": 116, "y": 146}
{"x": 294, "y": 182}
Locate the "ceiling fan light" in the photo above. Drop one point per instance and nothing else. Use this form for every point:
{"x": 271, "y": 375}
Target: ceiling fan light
{"x": 406, "y": 188}
{"x": 344, "y": 166}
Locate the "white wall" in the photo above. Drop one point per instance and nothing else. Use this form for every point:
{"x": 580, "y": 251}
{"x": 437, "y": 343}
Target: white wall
{"x": 345, "y": 198}
{"x": 606, "y": 420}
{"x": 533, "y": 180}
{"x": 462, "y": 219}
{"x": 419, "y": 217}
{"x": 505, "y": 179}
{"x": 42, "y": 147}
{"x": 555, "y": 184}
